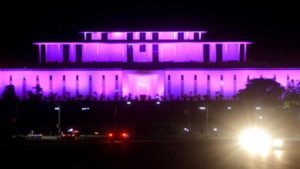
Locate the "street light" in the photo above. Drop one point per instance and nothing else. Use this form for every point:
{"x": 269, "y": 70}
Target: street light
{"x": 58, "y": 125}
{"x": 206, "y": 111}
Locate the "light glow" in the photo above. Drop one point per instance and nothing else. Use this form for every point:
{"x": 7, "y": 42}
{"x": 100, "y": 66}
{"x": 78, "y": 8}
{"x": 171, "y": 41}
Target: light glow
{"x": 255, "y": 141}
{"x": 277, "y": 142}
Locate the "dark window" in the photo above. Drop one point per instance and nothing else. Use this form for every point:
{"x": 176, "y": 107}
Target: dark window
{"x": 130, "y": 36}
{"x": 155, "y": 53}
{"x": 66, "y": 53}
{"x": 129, "y": 54}
{"x": 43, "y": 54}
{"x": 155, "y": 36}
{"x": 78, "y": 53}
{"x": 182, "y": 77}
{"x": 242, "y": 48}
{"x": 195, "y": 77}
{"x": 169, "y": 77}
{"x": 219, "y": 53}
{"x": 180, "y": 36}
{"x": 88, "y": 36}
{"x": 117, "y": 77}
{"x": 143, "y": 48}
{"x": 196, "y": 36}
{"x": 206, "y": 53}
{"x": 142, "y": 36}
{"x": 104, "y": 36}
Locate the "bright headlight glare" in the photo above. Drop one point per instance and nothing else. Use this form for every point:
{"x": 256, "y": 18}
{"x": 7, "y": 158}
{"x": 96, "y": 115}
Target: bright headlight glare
{"x": 255, "y": 140}
{"x": 277, "y": 142}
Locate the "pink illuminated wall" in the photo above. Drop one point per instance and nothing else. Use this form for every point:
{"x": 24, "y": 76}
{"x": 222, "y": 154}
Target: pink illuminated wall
{"x": 162, "y": 35}
{"x": 167, "y": 35}
{"x": 72, "y": 53}
{"x": 231, "y": 52}
{"x": 54, "y": 53}
{"x": 180, "y": 52}
{"x": 150, "y": 83}
{"x": 96, "y": 35}
{"x": 57, "y": 81}
{"x": 140, "y": 82}
{"x": 188, "y": 35}
{"x": 142, "y": 56}
{"x": 212, "y": 52}
{"x": 168, "y": 51}
{"x": 104, "y": 52}
{"x": 117, "y": 35}
{"x": 228, "y": 86}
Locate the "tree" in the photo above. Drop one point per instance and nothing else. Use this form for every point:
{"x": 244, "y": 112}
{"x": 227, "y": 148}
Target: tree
{"x": 292, "y": 97}
{"x": 261, "y": 91}
{"x": 9, "y": 93}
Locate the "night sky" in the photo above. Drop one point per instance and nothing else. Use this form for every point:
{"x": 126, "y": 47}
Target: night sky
{"x": 272, "y": 26}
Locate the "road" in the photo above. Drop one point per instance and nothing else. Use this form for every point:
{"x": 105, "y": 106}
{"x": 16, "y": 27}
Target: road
{"x": 165, "y": 154}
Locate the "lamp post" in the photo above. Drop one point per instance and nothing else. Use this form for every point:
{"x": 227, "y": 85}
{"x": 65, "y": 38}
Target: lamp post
{"x": 206, "y": 114}
{"x": 58, "y": 125}
{"x": 115, "y": 115}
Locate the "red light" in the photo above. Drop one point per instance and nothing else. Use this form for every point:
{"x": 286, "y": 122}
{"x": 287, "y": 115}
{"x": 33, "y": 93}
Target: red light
{"x": 110, "y": 134}
{"x": 124, "y": 135}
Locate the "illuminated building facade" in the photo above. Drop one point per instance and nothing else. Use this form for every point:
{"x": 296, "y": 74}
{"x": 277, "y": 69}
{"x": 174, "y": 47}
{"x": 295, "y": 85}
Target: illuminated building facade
{"x": 139, "y": 48}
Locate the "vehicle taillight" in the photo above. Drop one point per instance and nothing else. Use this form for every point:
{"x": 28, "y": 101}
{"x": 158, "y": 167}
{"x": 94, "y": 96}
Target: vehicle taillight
{"x": 124, "y": 135}
{"x": 110, "y": 135}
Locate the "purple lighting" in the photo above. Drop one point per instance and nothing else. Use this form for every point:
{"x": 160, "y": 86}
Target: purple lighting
{"x": 139, "y": 48}
{"x": 150, "y": 83}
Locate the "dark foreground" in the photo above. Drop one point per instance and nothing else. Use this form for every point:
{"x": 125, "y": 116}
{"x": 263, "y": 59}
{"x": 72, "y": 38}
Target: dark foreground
{"x": 156, "y": 154}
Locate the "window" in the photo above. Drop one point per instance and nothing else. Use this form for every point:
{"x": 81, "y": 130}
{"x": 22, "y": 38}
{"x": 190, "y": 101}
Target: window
{"x": 143, "y": 48}
{"x": 142, "y": 36}
{"x": 180, "y": 36}
{"x": 130, "y": 36}
{"x": 155, "y": 36}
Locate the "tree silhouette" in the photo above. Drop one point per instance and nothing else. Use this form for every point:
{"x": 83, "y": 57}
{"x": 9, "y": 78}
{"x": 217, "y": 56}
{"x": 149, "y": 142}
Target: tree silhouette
{"x": 9, "y": 93}
{"x": 266, "y": 91}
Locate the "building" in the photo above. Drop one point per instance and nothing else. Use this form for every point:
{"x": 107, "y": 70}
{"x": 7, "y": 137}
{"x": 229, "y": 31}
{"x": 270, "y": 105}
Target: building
{"x": 109, "y": 65}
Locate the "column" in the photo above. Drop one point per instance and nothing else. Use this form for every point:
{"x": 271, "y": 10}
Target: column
{"x": 90, "y": 86}
{"x": 182, "y": 85}
{"x": 103, "y": 85}
{"x": 222, "y": 85}
{"x": 169, "y": 86}
{"x": 77, "y": 85}
{"x": 234, "y": 85}
{"x": 195, "y": 85}
{"x": 37, "y": 81}
{"x": 24, "y": 89}
{"x": 116, "y": 86}
{"x": 10, "y": 80}
{"x": 50, "y": 84}
{"x": 208, "y": 86}
{"x": 64, "y": 85}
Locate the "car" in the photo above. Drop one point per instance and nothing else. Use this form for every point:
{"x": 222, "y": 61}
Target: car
{"x": 71, "y": 134}
{"x": 116, "y": 136}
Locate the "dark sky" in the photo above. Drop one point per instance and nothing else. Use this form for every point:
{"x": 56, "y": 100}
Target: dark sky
{"x": 272, "y": 26}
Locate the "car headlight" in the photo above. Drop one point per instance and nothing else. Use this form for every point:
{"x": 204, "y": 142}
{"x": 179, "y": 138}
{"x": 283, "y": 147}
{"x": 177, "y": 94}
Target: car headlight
{"x": 277, "y": 142}
{"x": 255, "y": 140}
